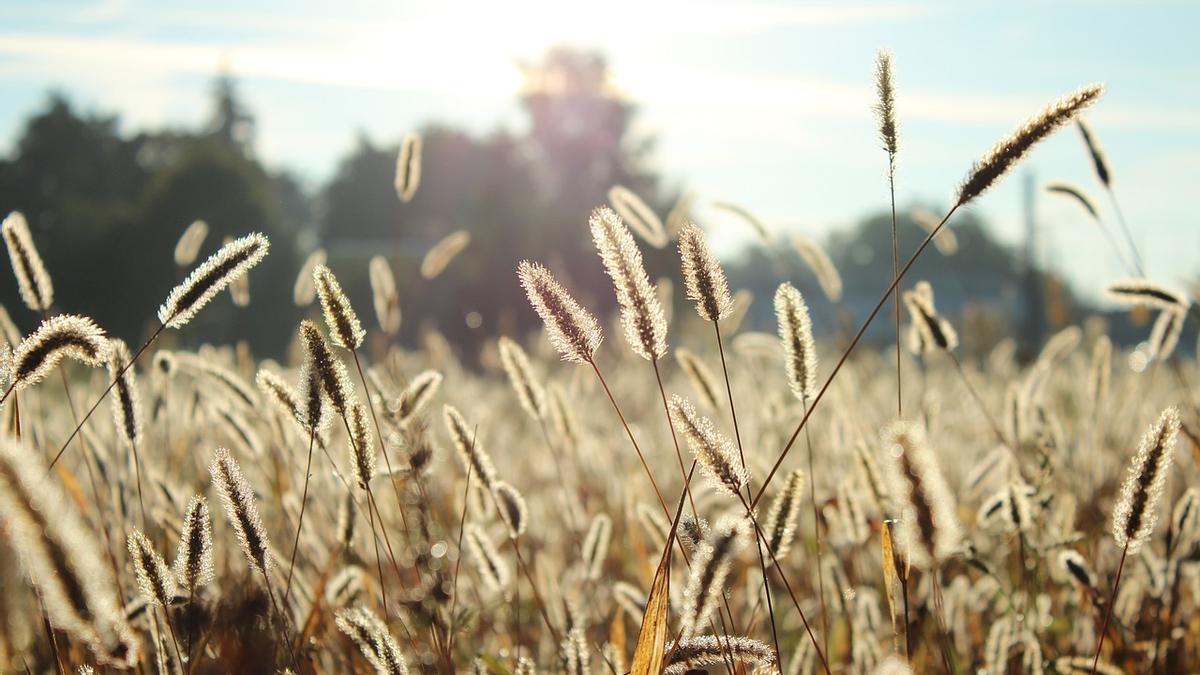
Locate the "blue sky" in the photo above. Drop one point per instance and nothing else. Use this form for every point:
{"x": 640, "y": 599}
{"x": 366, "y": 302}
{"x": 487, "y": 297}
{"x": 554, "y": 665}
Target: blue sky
{"x": 766, "y": 104}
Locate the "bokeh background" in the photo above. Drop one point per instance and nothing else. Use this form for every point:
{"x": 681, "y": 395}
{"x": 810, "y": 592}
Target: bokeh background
{"x": 122, "y": 121}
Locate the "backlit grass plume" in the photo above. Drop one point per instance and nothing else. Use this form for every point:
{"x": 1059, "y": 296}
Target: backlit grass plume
{"x": 383, "y": 295}
{"x": 513, "y": 510}
{"x": 193, "y": 565}
{"x": 930, "y": 331}
{"x": 231, "y": 262}
{"x": 408, "y": 168}
{"x": 322, "y": 367}
{"x": 885, "y": 106}
{"x": 573, "y": 331}
{"x": 795, "y": 334}
{"x": 470, "y": 451}
{"x": 1146, "y": 293}
{"x": 929, "y": 530}
{"x": 33, "y": 280}
{"x": 703, "y": 275}
{"x": 155, "y": 578}
{"x": 1136, "y": 511}
{"x": 373, "y": 639}
{"x": 188, "y": 246}
{"x": 439, "y": 257}
{"x": 780, "y": 525}
{"x": 639, "y": 216}
{"x": 716, "y": 454}
{"x": 241, "y": 509}
{"x": 1008, "y": 151}
{"x": 696, "y": 652}
{"x": 520, "y": 374}
{"x": 362, "y": 449}
{"x": 641, "y": 312}
{"x": 344, "y": 327}
{"x": 821, "y": 265}
{"x": 59, "y": 337}
{"x": 305, "y": 291}
{"x": 709, "y": 572}
{"x": 62, "y": 558}
{"x": 126, "y": 414}
{"x": 702, "y": 379}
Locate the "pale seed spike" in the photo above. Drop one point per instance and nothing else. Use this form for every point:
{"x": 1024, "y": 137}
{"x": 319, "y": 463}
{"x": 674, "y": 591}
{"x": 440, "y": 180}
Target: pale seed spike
{"x": 1143, "y": 292}
{"x": 1136, "y": 511}
{"x": 520, "y": 374}
{"x": 641, "y": 312}
{"x": 513, "y": 510}
{"x": 780, "y": 525}
{"x": 193, "y": 566}
{"x": 241, "y": 509}
{"x": 709, "y": 571}
{"x": 795, "y": 334}
{"x": 188, "y": 246}
{"x": 470, "y": 450}
{"x": 703, "y": 275}
{"x": 439, "y": 257}
{"x": 408, "y": 167}
{"x": 1164, "y": 336}
{"x": 1099, "y": 158}
{"x": 62, "y": 336}
{"x": 231, "y": 262}
{"x": 929, "y": 530}
{"x": 640, "y": 217}
{"x": 420, "y": 390}
{"x": 1006, "y": 153}
{"x": 305, "y": 291}
{"x": 595, "y": 545}
{"x": 821, "y": 265}
{"x": 1075, "y": 193}
{"x": 491, "y": 567}
{"x": 362, "y": 449}
{"x": 320, "y": 362}
{"x": 32, "y": 278}
{"x": 154, "y": 577}
{"x": 384, "y": 295}
{"x": 885, "y": 104}
{"x": 344, "y": 328}
{"x": 126, "y": 414}
{"x": 573, "y": 331}
{"x": 697, "y": 652}
{"x": 716, "y": 454}
{"x": 702, "y": 379}
{"x": 933, "y": 331}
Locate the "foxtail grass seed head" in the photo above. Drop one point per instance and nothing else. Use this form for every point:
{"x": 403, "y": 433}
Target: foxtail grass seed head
{"x": 32, "y": 278}
{"x": 638, "y": 215}
{"x": 945, "y": 241}
{"x": 1008, "y": 151}
{"x": 1146, "y": 293}
{"x": 492, "y": 568}
{"x": 371, "y": 636}
{"x": 641, "y": 313}
{"x": 63, "y": 336}
{"x": 344, "y": 328}
{"x": 1136, "y": 511}
{"x": 420, "y": 390}
{"x": 709, "y": 572}
{"x": 305, "y": 291}
{"x": 703, "y": 275}
{"x": 760, "y": 228}
{"x": 241, "y": 509}
{"x": 1099, "y": 157}
{"x": 821, "y": 265}
{"x": 1164, "y": 336}
{"x": 595, "y": 545}
{"x": 780, "y": 525}
{"x": 702, "y": 379}
{"x": 470, "y": 449}
{"x": 929, "y": 530}
{"x": 239, "y": 288}
{"x": 931, "y": 331}
{"x": 713, "y": 450}
{"x": 408, "y": 168}
{"x": 1076, "y": 194}
{"x": 520, "y": 374}
{"x": 513, "y": 510}
{"x": 231, "y": 262}
{"x": 282, "y": 395}
{"x": 155, "y": 579}
{"x": 1075, "y": 567}
{"x": 188, "y": 246}
{"x": 795, "y": 334}
{"x": 573, "y": 331}
{"x": 443, "y": 252}
{"x": 323, "y": 367}
{"x": 362, "y": 448}
{"x": 126, "y": 413}
{"x": 193, "y": 565}
{"x": 885, "y": 103}
{"x": 697, "y": 652}
{"x": 62, "y": 557}
{"x": 384, "y": 295}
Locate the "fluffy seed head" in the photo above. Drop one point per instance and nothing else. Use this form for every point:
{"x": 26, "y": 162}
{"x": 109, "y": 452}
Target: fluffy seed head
{"x": 1136, "y": 511}
{"x": 780, "y": 525}
{"x": 1099, "y": 158}
{"x": 513, "y": 510}
{"x": 491, "y": 566}
{"x": 713, "y": 450}
{"x": 821, "y": 265}
{"x": 795, "y": 334}
{"x": 408, "y": 168}
{"x": 470, "y": 450}
{"x": 640, "y": 217}
{"x": 362, "y": 449}
{"x": 1076, "y": 194}
{"x": 305, "y": 291}
{"x": 242, "y": 511}
{"x": 520, "y": 374}
{"x": 420, "y": 390}
{"x": 383, "y": 295}
{"x": 439, "y": 257}
{"x": 126, "y": 413}
{"x": 885, "y": 104}
{"x": 1142, "y": 292}
{"x": 63, "y": 336}
{"x": 595, "y": 545}
{"x": 573, "y": 331}
{"x": 760, "y": 228}
{"x": 697, "y": 652}
{"x": 703, "y": 275}
{"x": 344, "y": 328}
{"x": 930, "y": 330}
{"x": 702, "y": 379}
{"x": 1006, "y": 153}
{"x": 373, "y": 639}
{"x": 641, "y": 312}
{"x": 1075, "y": 566}
{"x": 1164, "y": 336}
{"x": 211, "y": 277}
{"x": 193, "y": 564}
{"x": 929, "y": 530}
{"x": 322, "y": 366}
{"x": 188, "y": 246}
{"x": 32, "y": 278}
{"x": 710, "y": 569}
{"x": 154, "y": 577}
